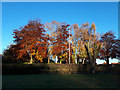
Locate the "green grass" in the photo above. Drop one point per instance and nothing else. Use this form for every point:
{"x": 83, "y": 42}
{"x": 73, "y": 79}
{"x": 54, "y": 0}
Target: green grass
{"x": 61, "y": 81}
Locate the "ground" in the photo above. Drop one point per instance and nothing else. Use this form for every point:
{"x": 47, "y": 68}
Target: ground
{"x": 61, "y": 81}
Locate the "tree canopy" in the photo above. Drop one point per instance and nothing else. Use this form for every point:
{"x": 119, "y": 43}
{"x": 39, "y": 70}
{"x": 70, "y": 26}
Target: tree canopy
{"x": 110, "y": 48}
{"x": 37, "y": 42}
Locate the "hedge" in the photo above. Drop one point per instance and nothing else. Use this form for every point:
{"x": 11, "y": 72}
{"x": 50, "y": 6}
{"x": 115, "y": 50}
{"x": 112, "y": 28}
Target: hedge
{"x": 56, "y": 68}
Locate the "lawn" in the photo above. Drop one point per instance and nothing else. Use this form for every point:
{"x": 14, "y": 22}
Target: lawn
{"x": 61, "y": 81}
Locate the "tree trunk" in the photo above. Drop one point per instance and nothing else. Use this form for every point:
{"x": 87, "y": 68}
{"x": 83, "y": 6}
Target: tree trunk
{"x": 107, "y": 61}
{"x": 93, "y": 61}
{"x": 92, "y": 66}
{"x": 49, "y": 59}
{"x": 83, "y": 61}
{"x": 75, "y": 53}
{"x": 75, "y": 56}
{"x": 56, "y": 59}
{"x": 31, "y": 60}
{"x": 75, "y": 59}
{"x": 48, "y": 54}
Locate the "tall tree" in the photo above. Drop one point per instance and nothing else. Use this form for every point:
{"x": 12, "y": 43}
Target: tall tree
{"x": 31, "y": 40}
{"x": 110, "y": 47}
{"x": 51, "y": 33}
{"x": 91, "y": 42}
{"x": 75, "y": 41}
{"x": 59, "y": 38}
{"x": 61, "y": 42}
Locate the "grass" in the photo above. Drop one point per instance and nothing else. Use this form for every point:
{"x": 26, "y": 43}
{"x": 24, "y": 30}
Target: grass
{"x": 61, "y": 81}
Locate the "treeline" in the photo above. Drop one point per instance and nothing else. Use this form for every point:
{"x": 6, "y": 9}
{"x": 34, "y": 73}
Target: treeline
{"x": 37, "y": 43}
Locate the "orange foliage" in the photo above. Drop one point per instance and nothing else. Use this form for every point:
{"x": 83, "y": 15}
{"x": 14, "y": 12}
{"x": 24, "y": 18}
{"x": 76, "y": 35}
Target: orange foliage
{"x": 30, "y": 39}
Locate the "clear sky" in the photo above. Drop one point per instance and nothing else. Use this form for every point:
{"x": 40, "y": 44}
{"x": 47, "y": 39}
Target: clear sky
{"x": 16, "y": 14}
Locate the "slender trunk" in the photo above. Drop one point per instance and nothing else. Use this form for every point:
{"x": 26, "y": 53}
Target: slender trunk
{"x": 56, "y": 59}
{"x": 75, "y": 51}
{"x": 107, "y": 61}
{"x": 48, "y": 58}
{"x": 31, "y": 60}
{"x": 48, "y": 54}
{"x": 83, "y": 61}
{"x": 75, "y": 58}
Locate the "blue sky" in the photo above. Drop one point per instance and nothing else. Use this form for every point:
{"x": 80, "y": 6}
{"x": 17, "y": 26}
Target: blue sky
{"x": 16, "y": 14}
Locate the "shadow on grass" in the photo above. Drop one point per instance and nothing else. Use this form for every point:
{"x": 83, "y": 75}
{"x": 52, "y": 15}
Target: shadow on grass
{"x": 61, "y": 81}
{"x": 41, "y": 76}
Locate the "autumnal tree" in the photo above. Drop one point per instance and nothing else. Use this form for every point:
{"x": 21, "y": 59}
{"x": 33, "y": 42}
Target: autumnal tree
{"x": 75, "y": 41}
{"x": 79, "y": 39}
{"x": 79, "y": 51}
{"x": 31, "y": 40}
{"x": 48, "y": 46}
{"x": 90, "y": 40}
{"x": 110, "y": 47}
{"x": 61, "y": 43}
{"x": 10, "y": 54}
{"x": 82, "y": 53}
{"x": 51, "y": 34}
{"x": 58, "y": 36}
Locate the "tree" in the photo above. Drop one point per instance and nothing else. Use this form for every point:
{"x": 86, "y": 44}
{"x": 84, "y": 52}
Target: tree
{"x": 61, "y": 43}
{"x": 91, "y": 42}
{"x": 58, "y": 38}
{"x": 52, "y": 30}
{"x": 75, "y": 41}
{"x": 10, "y": 54}
{"x": 110, "y": 47}
{"x": 31, "y": 40}
{"x": 82, "y": 53}
{"x": 78, "y": 42}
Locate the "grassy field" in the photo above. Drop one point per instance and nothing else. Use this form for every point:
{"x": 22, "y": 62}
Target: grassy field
{"x": 61, "y": 81}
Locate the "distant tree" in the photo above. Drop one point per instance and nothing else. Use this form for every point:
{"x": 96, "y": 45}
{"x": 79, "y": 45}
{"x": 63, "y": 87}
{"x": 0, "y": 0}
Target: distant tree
{"x": 111, "y": 47}
{"x": 31, "y": 40}
{"x": 10, "y": 54}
